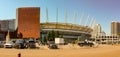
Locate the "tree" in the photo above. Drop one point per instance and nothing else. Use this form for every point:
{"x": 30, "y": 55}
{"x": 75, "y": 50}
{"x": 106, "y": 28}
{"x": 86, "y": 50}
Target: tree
{"x": 45, "y": 39}
{"x": 57, "y": 34}
{"x": 51, "y": 35}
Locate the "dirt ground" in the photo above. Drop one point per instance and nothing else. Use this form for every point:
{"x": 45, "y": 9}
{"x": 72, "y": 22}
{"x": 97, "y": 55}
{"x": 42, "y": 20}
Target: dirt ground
{"x": 64, "y": 51}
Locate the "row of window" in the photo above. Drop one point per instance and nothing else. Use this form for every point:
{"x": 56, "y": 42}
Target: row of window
{"x": 107, "y": 37}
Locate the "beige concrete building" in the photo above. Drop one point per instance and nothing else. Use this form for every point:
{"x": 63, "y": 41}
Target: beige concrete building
{"x": 97, "y": 31}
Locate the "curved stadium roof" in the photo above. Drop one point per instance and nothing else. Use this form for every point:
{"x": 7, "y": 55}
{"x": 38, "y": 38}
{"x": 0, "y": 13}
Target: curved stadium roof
{"x": 65, "y": 27}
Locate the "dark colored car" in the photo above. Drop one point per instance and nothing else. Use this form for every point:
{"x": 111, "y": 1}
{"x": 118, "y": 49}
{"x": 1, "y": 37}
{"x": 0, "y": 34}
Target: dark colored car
{"x": 31, "y": 44}
{"x": 85, "y": 43}
{"x": 20, "y": 44}
{"x": 52, "y": 45}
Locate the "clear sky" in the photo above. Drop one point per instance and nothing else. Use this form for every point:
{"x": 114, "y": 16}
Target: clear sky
{"x": 104, "y": 11}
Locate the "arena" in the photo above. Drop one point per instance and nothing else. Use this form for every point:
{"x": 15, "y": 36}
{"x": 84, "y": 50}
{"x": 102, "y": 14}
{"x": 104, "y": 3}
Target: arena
{"x": 66, "y": 30}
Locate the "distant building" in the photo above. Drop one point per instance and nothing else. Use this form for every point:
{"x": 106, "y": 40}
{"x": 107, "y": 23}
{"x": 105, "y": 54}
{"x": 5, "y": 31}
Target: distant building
{"x": 6, "y": 25}
{"x": 115, "y": 28}
{"x": 103, "y": 33}
{"x": 108, "y": 39}
{"x": 97, "y": 31}
{"x": 28, "y": 22}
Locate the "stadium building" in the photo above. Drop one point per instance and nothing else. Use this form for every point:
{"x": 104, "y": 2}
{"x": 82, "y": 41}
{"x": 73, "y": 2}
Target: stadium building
{"x": 68, "y": 31}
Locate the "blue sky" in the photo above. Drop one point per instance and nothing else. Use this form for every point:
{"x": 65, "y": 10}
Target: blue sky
{"x": 104, "y": 11}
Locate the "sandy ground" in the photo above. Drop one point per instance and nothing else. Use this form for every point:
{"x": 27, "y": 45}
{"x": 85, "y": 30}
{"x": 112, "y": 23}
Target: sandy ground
{"x": 64, "y": 51}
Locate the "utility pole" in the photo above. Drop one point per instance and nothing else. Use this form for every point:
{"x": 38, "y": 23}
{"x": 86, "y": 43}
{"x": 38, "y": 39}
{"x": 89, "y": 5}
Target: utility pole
{"x": 87, "y": 22}
{"x": 66, "y": 18}
{"x": 47, "y": 15}
{"x": 92, "y": 22}
{"x": 74, "y": 19}
{"x": 56, "y": 17}
{"x": 81, "y": 18}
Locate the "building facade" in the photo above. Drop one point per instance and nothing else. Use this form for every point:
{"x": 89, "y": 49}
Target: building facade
{"x": 66, "y": 31}
{"x": 115, "y": 28}
{"x": 108, "y": 39}
{"x": 28, "y": 22}
{"x": 97, "y": 31}
{"x": 6, "y": 25}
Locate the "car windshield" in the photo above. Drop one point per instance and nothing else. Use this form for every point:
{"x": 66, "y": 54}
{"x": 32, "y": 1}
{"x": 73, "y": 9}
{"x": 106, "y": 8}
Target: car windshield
{"x": 19, "y": 41}
{"x": 52, "y": 42}
{"x": 10, "y": 42}
{"x": 31, "y": 41}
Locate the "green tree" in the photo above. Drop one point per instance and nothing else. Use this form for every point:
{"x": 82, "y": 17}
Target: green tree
{"x": 45, "y": 39}
{"x": 57, "y": 34}
{"x": 51, "y": 35}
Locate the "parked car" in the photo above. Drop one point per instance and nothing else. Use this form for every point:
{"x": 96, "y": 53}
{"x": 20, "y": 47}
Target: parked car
{"x": 9, "y": 44}
{"x": 2, "y": 44}
{"x": 52, "y": 45}
{"x": 20, "y": 44}
{"x": 86, "y": 43}
{"x": 31, "y": 44}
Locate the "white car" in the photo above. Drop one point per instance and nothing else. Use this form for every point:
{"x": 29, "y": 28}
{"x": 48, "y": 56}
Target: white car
{"x": 9, "y": 44}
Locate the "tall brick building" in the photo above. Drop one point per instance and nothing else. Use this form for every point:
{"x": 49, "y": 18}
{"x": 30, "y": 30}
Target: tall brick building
{"x": 28, "y": 22}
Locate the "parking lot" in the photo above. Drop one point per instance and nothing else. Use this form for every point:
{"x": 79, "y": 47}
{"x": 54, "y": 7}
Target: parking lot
{"x": 64, "y": 51}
